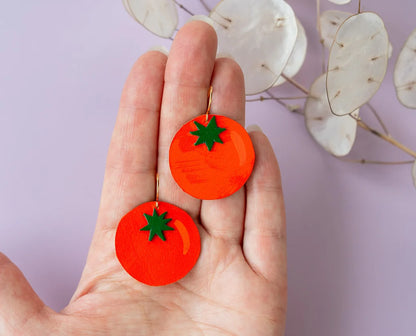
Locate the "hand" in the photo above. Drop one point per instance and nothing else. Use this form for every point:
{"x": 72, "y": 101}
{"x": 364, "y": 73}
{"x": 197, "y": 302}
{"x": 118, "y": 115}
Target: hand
{"x": 238, "y": 286}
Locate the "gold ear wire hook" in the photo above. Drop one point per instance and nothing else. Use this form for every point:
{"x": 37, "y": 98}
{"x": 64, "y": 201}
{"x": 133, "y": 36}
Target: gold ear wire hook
{"x": 157, "y": 190}
{"x": 209, "y": 103}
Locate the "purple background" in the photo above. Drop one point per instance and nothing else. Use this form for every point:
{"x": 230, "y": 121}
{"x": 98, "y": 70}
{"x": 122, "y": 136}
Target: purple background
{"x": 351, "y": 228}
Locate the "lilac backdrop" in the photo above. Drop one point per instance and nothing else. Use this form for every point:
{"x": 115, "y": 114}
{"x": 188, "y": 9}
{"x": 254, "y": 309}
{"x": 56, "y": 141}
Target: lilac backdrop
{"x": 351, "y": 228}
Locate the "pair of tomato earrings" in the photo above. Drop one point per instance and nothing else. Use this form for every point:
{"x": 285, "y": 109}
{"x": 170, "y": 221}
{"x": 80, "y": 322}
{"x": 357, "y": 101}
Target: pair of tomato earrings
{"x": 210, "y": 157}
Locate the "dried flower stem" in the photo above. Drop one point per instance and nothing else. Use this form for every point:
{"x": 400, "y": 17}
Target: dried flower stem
{"x": 261, "y": 98}
{"x": 387, "y": 138}
{"x": 205, "y": 5}
{"x": 365, "y": 161}
{"x": 184, "y": 8}
{"x": 318, "y": 15}
{"x": 359, "y": 6}
{"x": 363, "y": 125}
{"x": 380, "y": 121}
{"x": 323, "y": 57}
{"x": 296, "y": 84}
{"x": 318, "y": 26}
{"x": 286, "y": 106}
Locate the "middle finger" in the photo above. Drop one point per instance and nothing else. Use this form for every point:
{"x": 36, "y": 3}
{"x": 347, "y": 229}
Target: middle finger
{"x": 187, "y": 80}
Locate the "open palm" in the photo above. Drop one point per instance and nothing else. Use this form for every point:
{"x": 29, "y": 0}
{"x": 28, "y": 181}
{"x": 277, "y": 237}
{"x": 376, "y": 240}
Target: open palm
{"x": 238, "y": 286}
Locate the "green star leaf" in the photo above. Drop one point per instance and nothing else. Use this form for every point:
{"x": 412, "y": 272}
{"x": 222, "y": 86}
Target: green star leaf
{"x": 209, "y": 134}
{"x": 156, "y": 225}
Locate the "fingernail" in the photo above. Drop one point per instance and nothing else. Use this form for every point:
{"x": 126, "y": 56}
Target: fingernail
{"x": 161, "y": 49}
{"x": 202, "y": 18}
{"x": 254, "y": 128}
{"x": 225, "y": 55}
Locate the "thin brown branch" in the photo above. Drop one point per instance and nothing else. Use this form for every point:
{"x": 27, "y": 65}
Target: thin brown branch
{"x": 365, "y": 161}
{"x": 183, "y": 8}
{"x": 323, "y": 56}
{"x": 296, "y": 84}
{"x": 359, "y": 6}
{"x": 290, "y": 108}
{"x": 261, "y": 98}
{"x": 205, "y": 5}
{"x": 380, "y": 121}
{"x": 318, "y": 16}
{"x": 318, "y": 26}
{"x": 387, "y": 138}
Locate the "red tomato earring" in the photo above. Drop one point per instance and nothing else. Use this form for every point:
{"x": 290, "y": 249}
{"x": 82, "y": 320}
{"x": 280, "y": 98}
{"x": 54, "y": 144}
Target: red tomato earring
{"x": 211, "y": 156}
{"x": 157, "y": 243}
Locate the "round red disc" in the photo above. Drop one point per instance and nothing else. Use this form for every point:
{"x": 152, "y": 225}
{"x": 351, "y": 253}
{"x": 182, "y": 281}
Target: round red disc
{"x": 211, "y": 159}
{"x": 157, "y": 246}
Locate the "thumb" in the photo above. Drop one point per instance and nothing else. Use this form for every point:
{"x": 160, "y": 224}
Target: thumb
{"x": 21, "y": 309}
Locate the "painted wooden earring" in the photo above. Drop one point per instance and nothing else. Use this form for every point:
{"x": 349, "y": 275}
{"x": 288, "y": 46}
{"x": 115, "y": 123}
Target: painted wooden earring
{"x": 157, "y": 243}
{"x": 211, "y": 156}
